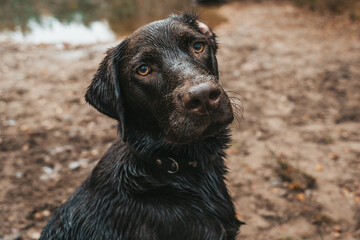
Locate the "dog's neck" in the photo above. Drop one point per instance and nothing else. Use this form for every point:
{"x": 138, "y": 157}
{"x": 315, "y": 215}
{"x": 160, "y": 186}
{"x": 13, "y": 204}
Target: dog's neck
{"x": 178, "y": 157}
{"x": 140, "y": 169}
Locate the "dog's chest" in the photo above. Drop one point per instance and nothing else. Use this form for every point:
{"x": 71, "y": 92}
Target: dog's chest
{"x": 202, "y": 210}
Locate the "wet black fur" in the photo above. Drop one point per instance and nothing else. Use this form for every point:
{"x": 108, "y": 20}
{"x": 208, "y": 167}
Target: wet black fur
{"x": 127, "y": 196}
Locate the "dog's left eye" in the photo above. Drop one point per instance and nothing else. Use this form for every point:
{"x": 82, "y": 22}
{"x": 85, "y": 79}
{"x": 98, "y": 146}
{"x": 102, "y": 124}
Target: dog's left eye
{"x": 198, "y": 47}
{"x": 143, "y": 70}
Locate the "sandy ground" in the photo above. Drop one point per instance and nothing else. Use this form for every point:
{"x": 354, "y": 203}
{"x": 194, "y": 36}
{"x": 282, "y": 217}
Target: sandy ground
{"x": 295, "y": 159}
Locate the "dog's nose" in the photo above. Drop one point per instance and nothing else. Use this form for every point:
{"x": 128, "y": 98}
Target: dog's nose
{"x": 202, "y": 98}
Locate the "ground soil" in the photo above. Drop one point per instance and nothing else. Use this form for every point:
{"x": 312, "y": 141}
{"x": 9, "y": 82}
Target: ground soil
{"x": 294, "y": 163}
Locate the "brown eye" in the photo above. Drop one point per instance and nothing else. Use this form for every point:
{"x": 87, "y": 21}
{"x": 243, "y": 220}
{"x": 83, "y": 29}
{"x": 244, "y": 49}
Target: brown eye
{"x": 198, "y": 47}
{"x": 143, "y": 70}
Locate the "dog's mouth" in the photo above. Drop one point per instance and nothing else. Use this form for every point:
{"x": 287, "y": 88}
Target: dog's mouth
{"x": 187, "y": 129}
{"x": 216, "y": 127}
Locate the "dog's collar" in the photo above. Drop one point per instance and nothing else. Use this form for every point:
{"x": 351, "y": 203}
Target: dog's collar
{"x": 171, "y": 165}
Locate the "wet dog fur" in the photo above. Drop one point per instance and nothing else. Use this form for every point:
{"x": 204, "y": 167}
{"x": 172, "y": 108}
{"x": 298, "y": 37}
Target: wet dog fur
{"x": 164, "y": 177}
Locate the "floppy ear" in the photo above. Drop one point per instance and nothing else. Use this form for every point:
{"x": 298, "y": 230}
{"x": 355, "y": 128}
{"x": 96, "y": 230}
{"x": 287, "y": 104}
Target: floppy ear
{"x": 192, "y": 19}
{"x": 104, "y": 92}
{"x": 205, "y": 29}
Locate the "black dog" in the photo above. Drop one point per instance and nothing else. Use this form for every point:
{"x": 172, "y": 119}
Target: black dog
{"x": 164, "y": 179}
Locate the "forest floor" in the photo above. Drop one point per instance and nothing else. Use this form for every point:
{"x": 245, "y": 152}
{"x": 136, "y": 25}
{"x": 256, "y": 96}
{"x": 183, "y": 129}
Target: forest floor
{"x": 294, "y": 163}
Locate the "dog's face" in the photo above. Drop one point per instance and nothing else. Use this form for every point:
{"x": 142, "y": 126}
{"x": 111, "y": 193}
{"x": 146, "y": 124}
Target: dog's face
{"x": 163, "y": 81}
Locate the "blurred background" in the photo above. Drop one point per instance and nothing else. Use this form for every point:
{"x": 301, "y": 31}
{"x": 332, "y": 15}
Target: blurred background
{"x": 294, "y": 162}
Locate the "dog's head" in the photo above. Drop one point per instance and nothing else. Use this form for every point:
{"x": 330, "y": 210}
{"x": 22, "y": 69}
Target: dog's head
{"x": 163, "y": 81}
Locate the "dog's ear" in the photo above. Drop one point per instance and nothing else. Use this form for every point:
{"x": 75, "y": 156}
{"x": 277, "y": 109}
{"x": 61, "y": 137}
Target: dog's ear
{"x": 104, "y": 93}
{"x": 205, "y": 29}
{"x": 193, "y": 20}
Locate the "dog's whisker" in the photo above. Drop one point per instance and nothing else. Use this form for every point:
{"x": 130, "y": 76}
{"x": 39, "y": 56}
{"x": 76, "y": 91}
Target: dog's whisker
{"x": 238, "y": 108}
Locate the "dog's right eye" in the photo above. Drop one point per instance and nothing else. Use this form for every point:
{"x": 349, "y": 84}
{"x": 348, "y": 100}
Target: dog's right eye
{"x": 143, "y": 70}
{"x": 198, "y": 47}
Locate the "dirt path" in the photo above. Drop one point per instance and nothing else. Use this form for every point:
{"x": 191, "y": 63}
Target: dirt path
{"x": 295, "y": 159}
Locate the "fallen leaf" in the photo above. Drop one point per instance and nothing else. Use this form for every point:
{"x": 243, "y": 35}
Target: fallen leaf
{"x": 300, "y": 197}
{"x": 319, "y": 167}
